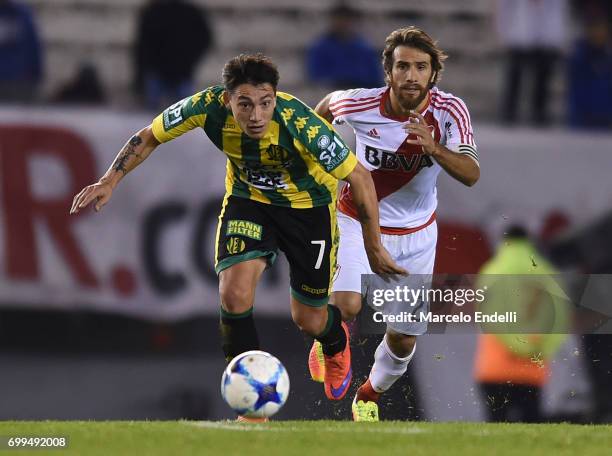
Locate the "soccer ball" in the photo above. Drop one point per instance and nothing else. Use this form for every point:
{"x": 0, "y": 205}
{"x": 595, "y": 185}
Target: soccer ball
{"x": 255, "y": 384}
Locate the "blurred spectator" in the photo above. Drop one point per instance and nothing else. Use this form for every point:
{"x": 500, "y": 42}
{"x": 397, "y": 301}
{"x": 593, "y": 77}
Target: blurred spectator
{"x": 85, "y": 87}
{"x": 343, "y": 58}
{"x": 511, "y": 369}
{"x": 20, "y": 52}
{"x": 173, "y": 35}
{"x": 590, "y": 77}
{"x": 533, "y": 32}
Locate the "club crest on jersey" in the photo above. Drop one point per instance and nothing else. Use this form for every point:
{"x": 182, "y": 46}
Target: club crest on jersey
{"x": 279, "y": 154}
{"x": 447, "y": 127}
{"x": 385, "y": 160}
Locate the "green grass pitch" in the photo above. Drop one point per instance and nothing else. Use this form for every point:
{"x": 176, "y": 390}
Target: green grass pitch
{"x": 336, "y": 438}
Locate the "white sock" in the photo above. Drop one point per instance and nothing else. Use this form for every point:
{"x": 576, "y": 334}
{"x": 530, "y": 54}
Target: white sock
{"x": 387, "y": 367}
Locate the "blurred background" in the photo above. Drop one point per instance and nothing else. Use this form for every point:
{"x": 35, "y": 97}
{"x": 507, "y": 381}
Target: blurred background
{"x": 114, "y": 315}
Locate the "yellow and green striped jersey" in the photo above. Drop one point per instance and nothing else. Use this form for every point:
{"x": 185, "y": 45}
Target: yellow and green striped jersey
{"x": 296, "y": 164}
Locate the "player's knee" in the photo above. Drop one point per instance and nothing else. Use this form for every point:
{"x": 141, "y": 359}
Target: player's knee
{"x": 400, "y": 344}
{"x": 348, "y": 302}
{"x": 235, "y": 299}
{"x": 350, "y": 312}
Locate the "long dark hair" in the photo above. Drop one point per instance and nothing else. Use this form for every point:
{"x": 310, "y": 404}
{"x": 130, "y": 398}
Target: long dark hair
{"x": 418, "y": 39}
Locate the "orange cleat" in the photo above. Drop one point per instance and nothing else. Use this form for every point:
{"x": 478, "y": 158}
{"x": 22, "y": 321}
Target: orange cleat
{"x": 338, "y": 372}
{"x": 246, "y": 419}
{"x": 316, "y": 362}
{"x": 367, "y": 393}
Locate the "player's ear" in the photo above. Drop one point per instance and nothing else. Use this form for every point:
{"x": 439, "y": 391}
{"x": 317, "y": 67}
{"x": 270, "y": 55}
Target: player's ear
{"x": 432, "y": 81}
{"x": 225, "y": 98}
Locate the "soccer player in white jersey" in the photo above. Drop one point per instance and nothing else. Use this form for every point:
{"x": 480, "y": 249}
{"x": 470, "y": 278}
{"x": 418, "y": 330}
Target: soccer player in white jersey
{"x": 406, "y": 132}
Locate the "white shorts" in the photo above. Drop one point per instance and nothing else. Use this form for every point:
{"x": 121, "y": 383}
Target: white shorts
{"x": 415, "y": 252}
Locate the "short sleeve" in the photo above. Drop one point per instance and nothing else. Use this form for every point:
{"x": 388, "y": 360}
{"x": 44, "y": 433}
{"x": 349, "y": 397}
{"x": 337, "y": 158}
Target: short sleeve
{"x": 458, "y": 129}
{"x": 314, "y": 136}
{"x": 345, "y": 104}
{"x": 327, "y": 147}
{"x": 184, "y": 115}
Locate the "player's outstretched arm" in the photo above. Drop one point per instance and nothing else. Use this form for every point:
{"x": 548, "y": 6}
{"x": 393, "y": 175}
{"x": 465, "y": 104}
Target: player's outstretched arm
{"x": 364, "y": 196}
{"x": 135, "y": 151}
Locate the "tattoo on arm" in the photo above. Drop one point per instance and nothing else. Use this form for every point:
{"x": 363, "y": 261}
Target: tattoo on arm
{"x": 128, "y": 150}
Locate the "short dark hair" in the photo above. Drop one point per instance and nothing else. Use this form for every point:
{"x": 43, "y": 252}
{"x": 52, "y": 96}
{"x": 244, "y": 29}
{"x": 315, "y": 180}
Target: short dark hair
{"x": 418, "y": 39}
{"x": 249, "y": 69}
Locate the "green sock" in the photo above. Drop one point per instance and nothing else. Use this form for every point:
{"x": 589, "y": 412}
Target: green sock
{"x": 333, "y": 338}
{"x": 238, "y": 333}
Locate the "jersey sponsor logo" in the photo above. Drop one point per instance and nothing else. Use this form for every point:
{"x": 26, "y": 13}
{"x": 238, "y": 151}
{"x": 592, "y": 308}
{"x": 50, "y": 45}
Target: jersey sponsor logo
{"x": 385, "y": 160}
{"x": 244, "y": 228}
{"x": 373, "y": 133}
{"x": 316, "y": 291}
{"x": 265, "y": 179}
{"x": 333, "y": 155}
{"x": 235, "y": 245}
{"x": 174, "y": 115}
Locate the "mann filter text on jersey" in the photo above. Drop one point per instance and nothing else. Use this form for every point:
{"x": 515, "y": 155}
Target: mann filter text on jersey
{"x": 461, "y": 317}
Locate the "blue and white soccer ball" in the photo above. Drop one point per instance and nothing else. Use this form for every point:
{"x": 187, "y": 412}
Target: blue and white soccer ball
{"x": 255, "y": 384}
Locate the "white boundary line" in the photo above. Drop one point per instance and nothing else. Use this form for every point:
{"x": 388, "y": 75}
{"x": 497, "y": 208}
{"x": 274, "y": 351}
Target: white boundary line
{"x": 257, "y": 427}
{"x": 228, "y": 425}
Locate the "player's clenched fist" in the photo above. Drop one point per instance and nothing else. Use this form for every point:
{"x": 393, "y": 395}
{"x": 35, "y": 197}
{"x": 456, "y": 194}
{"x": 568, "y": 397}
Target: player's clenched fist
{"x": 423, "y": 132}
{"x": 99, "y": 192}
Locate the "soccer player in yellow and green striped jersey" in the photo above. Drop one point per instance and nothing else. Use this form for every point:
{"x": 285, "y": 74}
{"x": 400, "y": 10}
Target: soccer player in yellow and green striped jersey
{"x": 283, "y": 164}
{"x": 295, "y": 163}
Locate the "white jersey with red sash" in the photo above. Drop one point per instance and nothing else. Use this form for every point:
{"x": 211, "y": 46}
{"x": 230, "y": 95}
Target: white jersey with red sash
{"x": 404, "y": 176}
